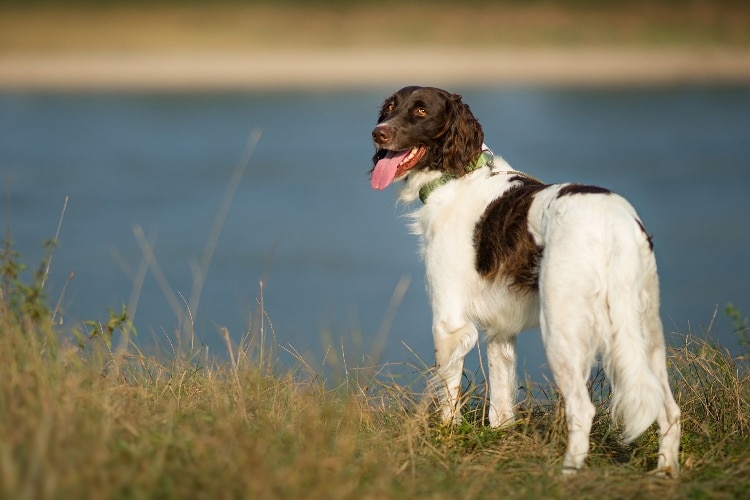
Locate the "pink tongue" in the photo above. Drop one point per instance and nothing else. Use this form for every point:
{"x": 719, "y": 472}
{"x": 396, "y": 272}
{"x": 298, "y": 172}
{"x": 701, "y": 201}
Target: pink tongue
{"x": 385, "y": 169}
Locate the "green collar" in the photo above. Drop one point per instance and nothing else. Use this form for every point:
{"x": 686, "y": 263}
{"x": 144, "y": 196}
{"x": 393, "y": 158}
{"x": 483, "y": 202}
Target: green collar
{"x": 427, "y": 189}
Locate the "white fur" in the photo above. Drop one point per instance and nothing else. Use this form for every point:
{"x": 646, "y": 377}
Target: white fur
{"x": 598, "y": 295}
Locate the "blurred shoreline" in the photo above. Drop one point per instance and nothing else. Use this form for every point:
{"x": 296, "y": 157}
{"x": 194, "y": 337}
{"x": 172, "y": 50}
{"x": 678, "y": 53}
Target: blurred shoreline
{"x": 286, "y": 68}
{"x": 299, "y": 45}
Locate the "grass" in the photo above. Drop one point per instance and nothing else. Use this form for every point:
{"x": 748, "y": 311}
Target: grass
{"x": 81, "y": 418}
{"x": 117, "y": 26}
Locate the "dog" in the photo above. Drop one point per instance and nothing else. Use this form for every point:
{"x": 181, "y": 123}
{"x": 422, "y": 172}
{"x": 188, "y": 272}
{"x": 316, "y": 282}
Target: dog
{"x": 505, "y": 252}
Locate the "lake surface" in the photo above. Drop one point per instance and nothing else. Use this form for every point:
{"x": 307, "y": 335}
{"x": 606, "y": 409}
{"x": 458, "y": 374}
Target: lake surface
{"x": 331, "y": 250}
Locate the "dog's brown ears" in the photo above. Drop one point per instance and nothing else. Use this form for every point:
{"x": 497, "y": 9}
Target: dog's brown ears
{"x": 463, "y": 138}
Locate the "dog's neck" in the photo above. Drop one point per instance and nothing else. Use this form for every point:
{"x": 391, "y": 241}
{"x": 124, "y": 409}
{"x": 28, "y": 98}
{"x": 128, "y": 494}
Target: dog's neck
{"x": 413, "y": 183}
{"x": 422, "y": 184}
{"x": 484, "y": 159}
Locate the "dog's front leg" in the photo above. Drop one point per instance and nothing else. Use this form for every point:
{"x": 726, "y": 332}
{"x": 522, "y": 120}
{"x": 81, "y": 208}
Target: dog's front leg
{"x": 453, "y": 340}
{"x": 501, "y": 356}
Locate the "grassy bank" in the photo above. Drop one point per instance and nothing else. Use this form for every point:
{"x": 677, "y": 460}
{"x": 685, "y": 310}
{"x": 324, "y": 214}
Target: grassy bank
{"x": 85, "y": 26}
{"x": 168, "y": 45}
{"x": 87, "y": 416}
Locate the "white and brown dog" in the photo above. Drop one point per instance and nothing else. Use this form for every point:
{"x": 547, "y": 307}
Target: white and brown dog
{"x": 504, "y": 252}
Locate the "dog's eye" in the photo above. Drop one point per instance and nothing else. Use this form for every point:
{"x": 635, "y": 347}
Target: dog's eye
{"x": 390, "y": 107}
{"x": 420, "y": 111}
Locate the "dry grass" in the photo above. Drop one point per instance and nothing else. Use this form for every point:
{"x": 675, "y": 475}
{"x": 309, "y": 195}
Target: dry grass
{"x": 297, "y": 44}
{"x": 121, "y": 27}
{"x": 93, "y": 421}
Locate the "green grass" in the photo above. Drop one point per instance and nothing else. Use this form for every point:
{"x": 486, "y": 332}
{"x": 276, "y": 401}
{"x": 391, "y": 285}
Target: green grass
{"x": 91, "y": 417}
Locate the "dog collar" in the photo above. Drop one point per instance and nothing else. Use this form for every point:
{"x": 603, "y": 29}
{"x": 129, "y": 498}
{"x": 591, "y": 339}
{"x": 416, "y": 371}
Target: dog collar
{"x": 484, "y": 159}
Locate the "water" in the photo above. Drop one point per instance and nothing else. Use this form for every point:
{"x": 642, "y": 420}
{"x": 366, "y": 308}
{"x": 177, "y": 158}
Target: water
{"x": 333, "y": 251}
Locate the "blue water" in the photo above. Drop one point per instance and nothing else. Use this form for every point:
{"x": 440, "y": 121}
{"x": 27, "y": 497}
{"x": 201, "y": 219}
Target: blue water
{"x": 303, "y": 216}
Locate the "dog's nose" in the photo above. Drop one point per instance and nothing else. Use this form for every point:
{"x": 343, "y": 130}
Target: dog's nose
{"x": 382, "y": 134}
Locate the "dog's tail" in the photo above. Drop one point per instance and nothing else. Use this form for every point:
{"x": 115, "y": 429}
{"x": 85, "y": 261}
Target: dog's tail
{"x": 633, "y": 300}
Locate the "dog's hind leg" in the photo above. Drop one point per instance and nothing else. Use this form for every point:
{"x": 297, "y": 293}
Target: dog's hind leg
{"x": 579, "y": 415}
{"x": 570, "y": 353}
{"x": 669, "y": 434}
{"x": 501, "y": 356}
{"x": 453, "y": 340}
{"x": 668, "y": 417}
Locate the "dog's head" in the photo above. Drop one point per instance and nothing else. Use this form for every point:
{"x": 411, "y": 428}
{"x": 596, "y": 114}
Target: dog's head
{"x": 423, "y": 128}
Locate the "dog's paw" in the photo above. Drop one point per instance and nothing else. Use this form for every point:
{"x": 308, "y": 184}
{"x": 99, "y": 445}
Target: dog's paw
{"x": 569, "y": 471}
{"x": 666, "y": 472}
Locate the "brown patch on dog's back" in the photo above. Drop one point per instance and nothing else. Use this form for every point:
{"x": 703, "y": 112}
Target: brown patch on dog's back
{"x": 569, "y": 189}
{"x": 502, "y": 242}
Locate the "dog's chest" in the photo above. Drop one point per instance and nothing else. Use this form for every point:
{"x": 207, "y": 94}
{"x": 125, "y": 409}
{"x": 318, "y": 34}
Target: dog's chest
{"x": 450, "y": 255}
{"x": 446, "y": 224}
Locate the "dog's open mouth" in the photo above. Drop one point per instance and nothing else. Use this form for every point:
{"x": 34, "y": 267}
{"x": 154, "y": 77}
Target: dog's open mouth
{"x": 394, "y": 165}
